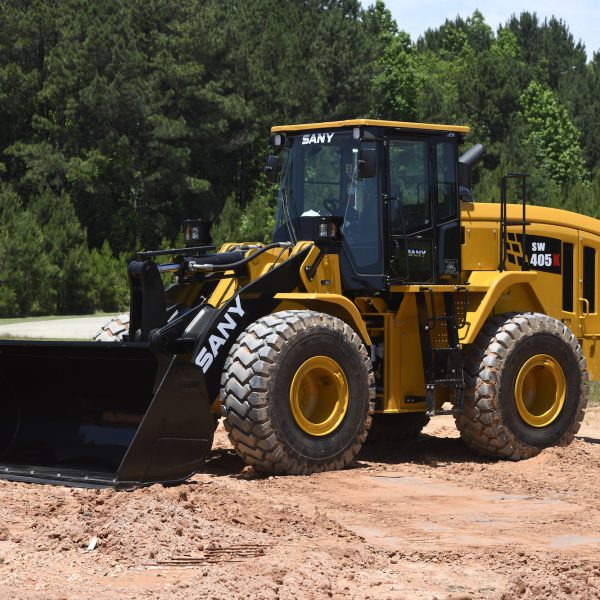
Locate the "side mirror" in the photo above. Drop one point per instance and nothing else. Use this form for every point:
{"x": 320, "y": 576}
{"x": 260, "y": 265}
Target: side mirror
{"x": 366, "y": 163}
{"x": 272, "y": 168}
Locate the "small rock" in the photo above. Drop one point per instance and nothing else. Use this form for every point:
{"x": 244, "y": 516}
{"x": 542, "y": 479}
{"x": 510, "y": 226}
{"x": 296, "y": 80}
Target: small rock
{"x": 93, "y": 543}
{"x": 520, "y": 586}
{"x": 248, "y": 472}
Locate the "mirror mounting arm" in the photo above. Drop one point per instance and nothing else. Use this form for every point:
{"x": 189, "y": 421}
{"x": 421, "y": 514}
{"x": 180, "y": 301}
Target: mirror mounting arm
{"x": 366, "y": 163}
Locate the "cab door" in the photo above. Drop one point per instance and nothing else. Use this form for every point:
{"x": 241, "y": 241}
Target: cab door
{"x": 422, "y": 208}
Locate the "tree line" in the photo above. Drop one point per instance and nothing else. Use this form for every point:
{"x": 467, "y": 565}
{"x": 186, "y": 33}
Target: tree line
{"x": 118, "y": 120}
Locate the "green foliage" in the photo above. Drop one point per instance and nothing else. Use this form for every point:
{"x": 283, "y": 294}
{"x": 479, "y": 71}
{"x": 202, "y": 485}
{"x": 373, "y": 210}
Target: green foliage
{"x": 109, "y": 284}
{"x": 396, "y": 85}
{"x": 227, "y": 226}
{"x": 254, "y": 223}
{"x": 551, "y": 135}
{"x": 25, "y": 266}
{"x": 258, "y": 219}
{"x": 120, "y": 119}
{"x": 146, "y": 112}
{"x": 45, "y": 262}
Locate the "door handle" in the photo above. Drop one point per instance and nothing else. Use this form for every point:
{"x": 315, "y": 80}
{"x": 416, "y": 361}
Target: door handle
{"x": 586, "y": 311}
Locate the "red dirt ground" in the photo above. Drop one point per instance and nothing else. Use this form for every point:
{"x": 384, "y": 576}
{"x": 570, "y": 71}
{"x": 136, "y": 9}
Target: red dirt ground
{"x": 427, "y": 519}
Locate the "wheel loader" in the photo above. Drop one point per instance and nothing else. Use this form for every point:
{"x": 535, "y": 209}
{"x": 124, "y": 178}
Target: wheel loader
{"x": 386, "y": 295}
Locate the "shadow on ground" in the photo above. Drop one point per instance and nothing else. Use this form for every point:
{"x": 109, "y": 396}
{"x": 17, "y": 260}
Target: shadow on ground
{"x": 589, "y": 440}
{"x": 425, "y": 450}
{"x": 223, "y": 461}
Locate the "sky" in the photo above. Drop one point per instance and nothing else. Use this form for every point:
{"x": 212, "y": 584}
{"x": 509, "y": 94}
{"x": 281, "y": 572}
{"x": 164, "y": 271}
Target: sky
{"x": 581, "y": 16}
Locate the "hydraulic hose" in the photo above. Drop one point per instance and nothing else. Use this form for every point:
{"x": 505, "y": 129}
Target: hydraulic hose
{"x": 194, "y": 266}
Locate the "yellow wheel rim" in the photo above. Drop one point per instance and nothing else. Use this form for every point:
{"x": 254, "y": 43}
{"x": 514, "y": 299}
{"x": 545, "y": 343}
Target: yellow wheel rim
{"x": 319, "y": 395}
{"x": 540, "y": 390}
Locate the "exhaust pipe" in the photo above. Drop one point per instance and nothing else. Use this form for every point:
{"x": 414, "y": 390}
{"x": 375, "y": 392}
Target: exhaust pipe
{"x": 466, "y": 163}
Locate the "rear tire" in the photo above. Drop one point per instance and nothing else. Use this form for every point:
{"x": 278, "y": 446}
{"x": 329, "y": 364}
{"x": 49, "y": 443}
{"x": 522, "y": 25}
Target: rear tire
{"x": 114, "y": 330}
{"x": 526, "y": 386}
{"x": 396, "y": 428}
{"x": 297, "y": 393}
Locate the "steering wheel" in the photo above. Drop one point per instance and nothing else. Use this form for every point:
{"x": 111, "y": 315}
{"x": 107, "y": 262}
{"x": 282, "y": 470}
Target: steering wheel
{"x": 330, "y": 205}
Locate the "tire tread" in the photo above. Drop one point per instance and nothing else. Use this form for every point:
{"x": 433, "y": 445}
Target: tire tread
{"x": 480, "y": 425}
{"x": 244, "y": 386}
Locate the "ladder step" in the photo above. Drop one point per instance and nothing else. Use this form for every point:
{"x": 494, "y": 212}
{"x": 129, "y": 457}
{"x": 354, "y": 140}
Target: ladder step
{"x": 451, "y": 412}
{"x": 455, "y": 382}
{"x": 442, "y": 318}
{"x": 443, "y": 367}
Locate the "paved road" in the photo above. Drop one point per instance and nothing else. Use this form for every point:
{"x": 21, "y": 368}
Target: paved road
{"x": 79, "y": 328}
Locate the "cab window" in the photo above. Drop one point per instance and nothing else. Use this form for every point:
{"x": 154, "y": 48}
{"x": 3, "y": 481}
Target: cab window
{"x": 409, "y": 182}
{"x": 445, "y": 180}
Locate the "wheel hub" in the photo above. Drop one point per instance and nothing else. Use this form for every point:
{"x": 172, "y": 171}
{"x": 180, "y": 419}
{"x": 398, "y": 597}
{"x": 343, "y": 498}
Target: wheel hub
{"x": 319, "y": 395}
{"x": 540, "y": 390}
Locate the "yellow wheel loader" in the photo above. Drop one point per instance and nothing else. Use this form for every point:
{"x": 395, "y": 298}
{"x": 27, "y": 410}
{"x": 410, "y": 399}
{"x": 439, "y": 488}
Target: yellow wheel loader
{"x": 385, "y": 294}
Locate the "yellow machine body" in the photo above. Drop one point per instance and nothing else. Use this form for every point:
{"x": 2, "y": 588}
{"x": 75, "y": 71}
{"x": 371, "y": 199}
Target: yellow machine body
{"x": 570, "y": 294}
{"x": 560, "y": 295}
{"x": 473, "y": 305}
{"x": 490, "y": 290}
{"x": 379, "y": 278}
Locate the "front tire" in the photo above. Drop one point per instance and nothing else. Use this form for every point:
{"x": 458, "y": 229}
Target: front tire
{"x": 526, "y": 387}
{"x": 297, "y": 393}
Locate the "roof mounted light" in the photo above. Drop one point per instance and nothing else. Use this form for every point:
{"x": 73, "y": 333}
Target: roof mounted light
{"x": 356, "y": 133}
{"x": 278, "y": 140}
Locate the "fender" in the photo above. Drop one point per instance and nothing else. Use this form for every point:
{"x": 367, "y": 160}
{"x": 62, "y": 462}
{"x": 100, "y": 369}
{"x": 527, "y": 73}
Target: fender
{"x": 251, "y": 302}
{"x": 333, "y": 304}
{"x": 485, "y": 289}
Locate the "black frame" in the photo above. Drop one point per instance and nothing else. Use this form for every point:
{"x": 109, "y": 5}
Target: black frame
{"x": 437, "y": 229}
{"x": 445, "y": 235}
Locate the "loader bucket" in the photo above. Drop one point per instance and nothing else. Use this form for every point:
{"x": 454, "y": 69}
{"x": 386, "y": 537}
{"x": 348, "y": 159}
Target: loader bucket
{"x": 89, "y": 413}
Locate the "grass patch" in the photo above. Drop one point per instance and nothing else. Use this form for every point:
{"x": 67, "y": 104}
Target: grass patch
{"x": 53, "y": 318}
{"x": 4, "y": 337}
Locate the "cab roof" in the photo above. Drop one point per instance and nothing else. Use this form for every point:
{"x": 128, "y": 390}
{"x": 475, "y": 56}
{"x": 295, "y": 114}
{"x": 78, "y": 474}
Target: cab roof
{"x": 373, "y": 122}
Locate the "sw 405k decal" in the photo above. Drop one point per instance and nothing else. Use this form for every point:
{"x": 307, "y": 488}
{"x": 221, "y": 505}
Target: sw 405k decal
{"x": 543, "y": 253}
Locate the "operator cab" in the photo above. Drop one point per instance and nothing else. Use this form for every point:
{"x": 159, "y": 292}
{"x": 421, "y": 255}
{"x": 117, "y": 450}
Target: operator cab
{"x": 393, "y": 186}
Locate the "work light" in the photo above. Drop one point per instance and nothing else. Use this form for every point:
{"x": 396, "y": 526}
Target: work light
{"x": 196, "y": 232}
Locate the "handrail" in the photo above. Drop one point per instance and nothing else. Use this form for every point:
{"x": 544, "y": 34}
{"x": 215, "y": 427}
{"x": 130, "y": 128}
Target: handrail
{"x": 504, "y": 223}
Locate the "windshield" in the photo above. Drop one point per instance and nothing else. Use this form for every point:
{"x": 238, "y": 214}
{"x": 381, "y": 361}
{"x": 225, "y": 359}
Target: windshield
{"x": 319, "y": 177}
